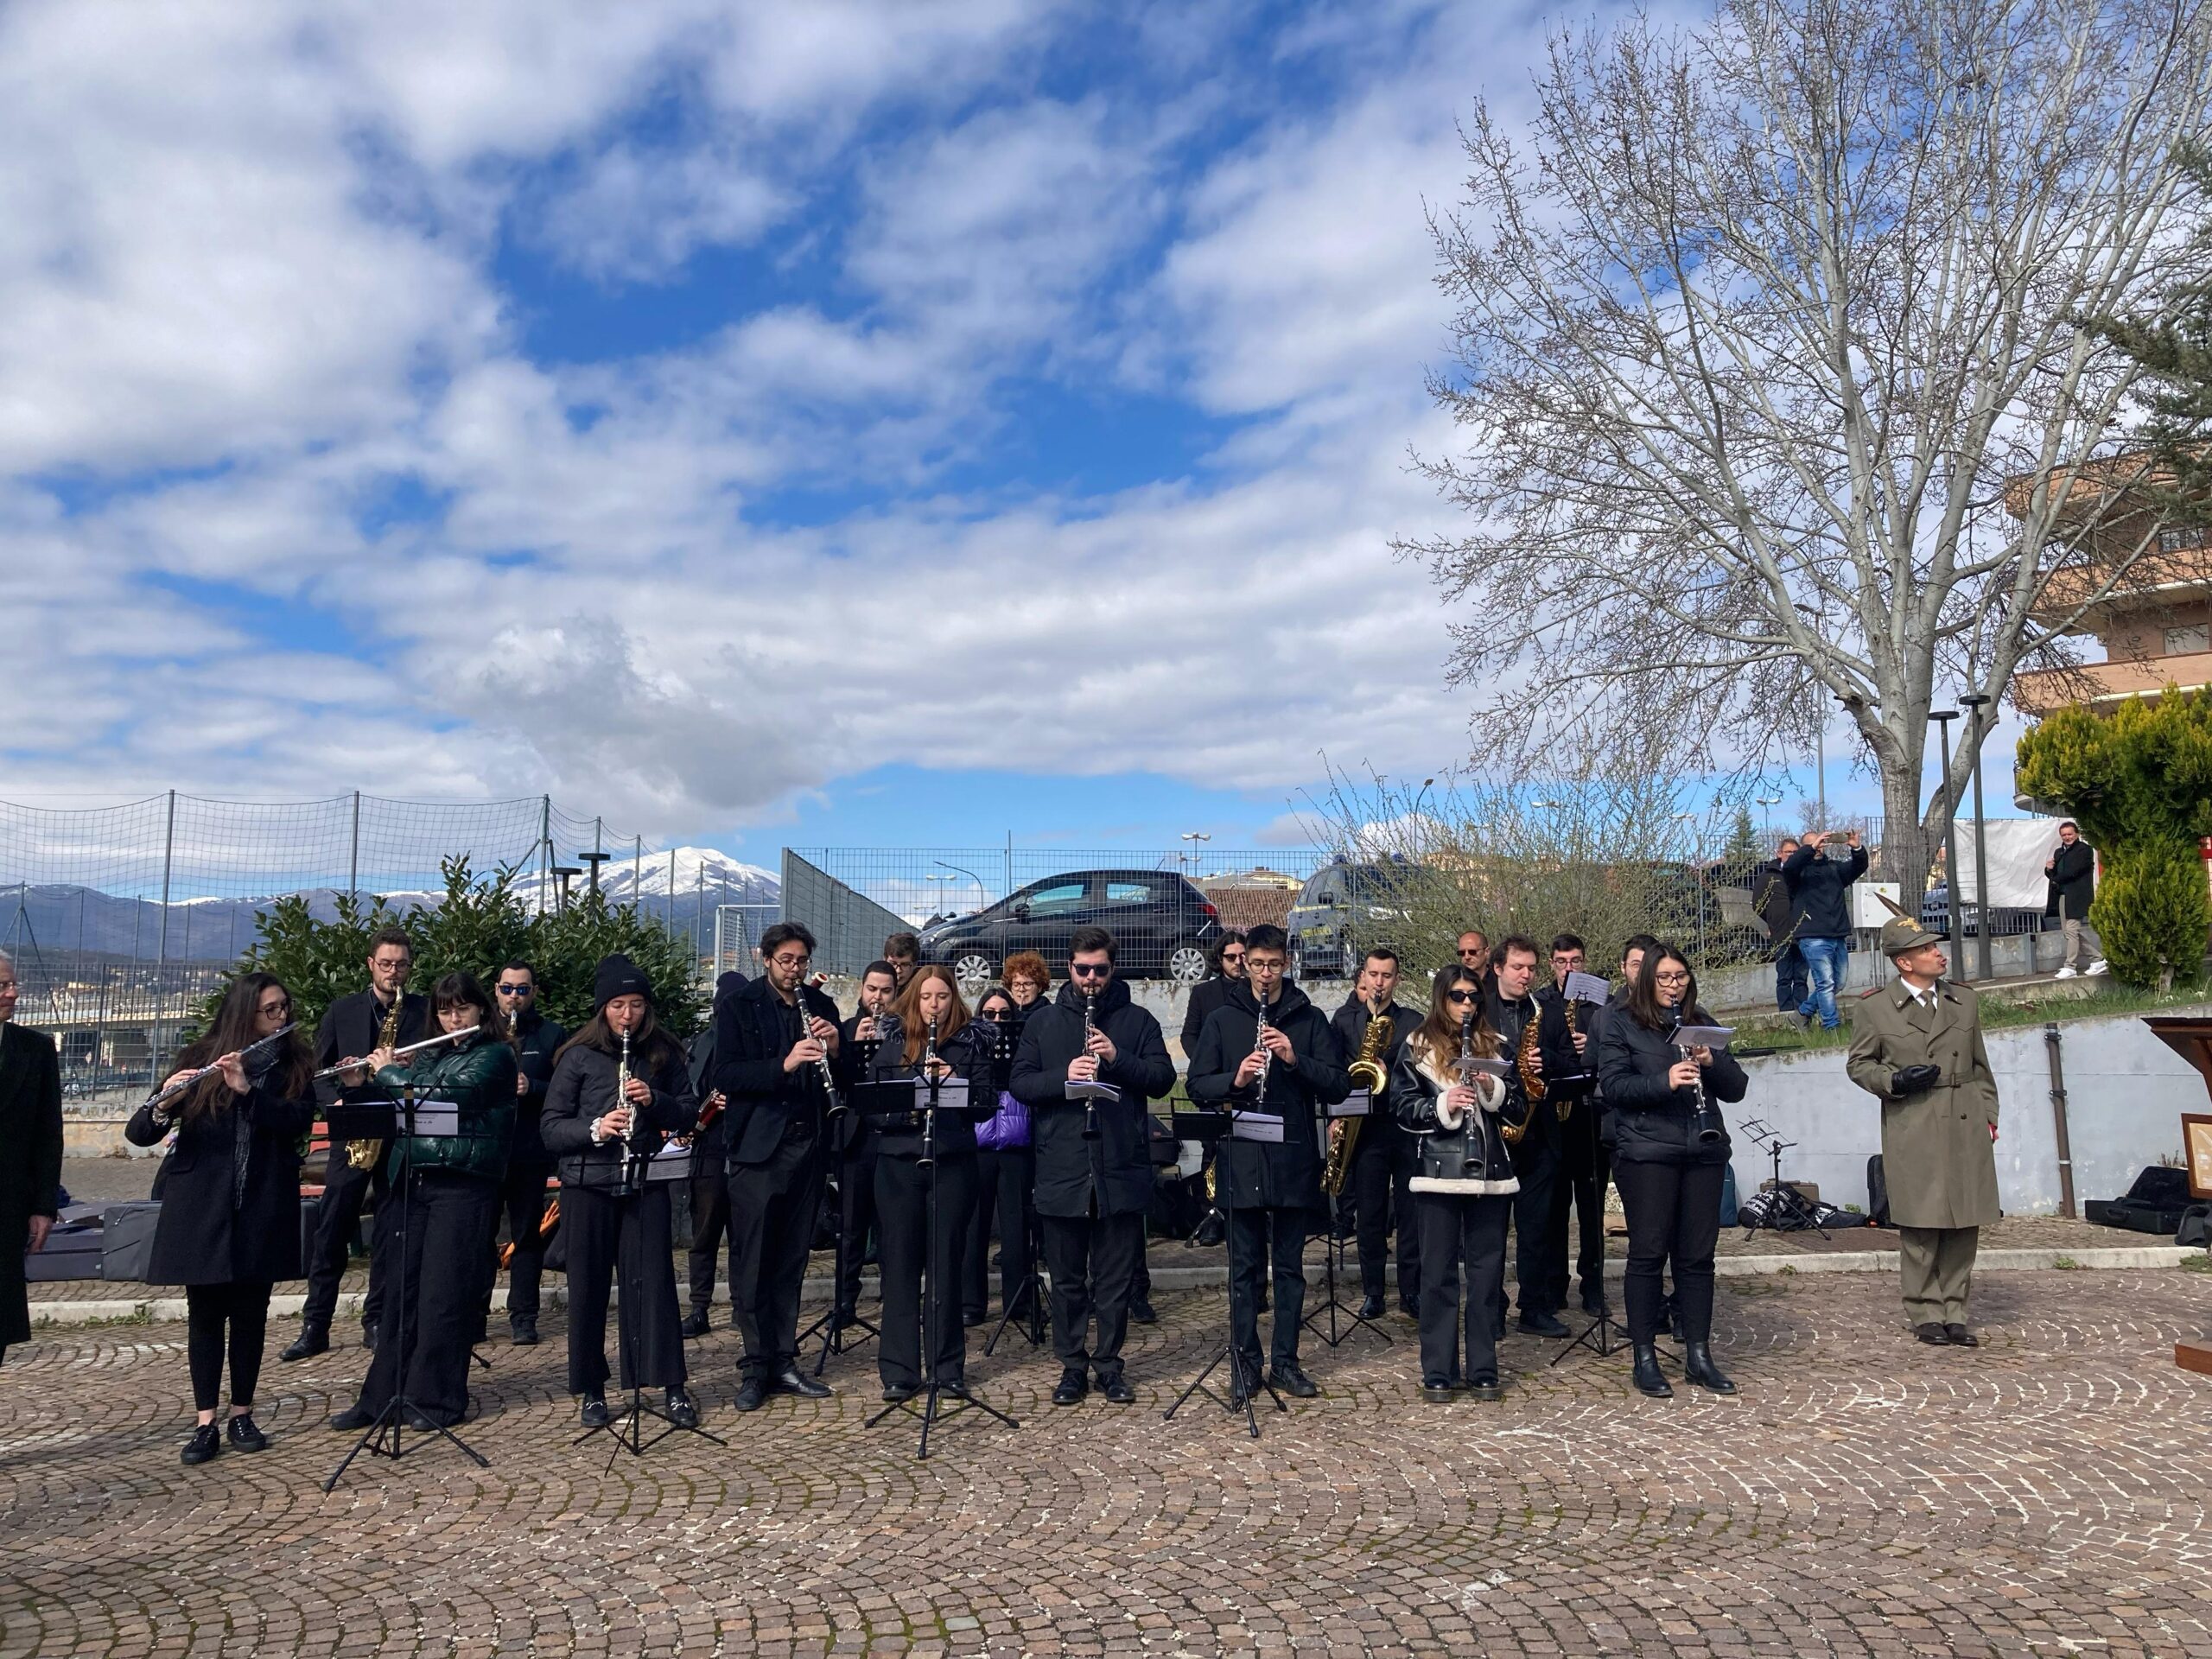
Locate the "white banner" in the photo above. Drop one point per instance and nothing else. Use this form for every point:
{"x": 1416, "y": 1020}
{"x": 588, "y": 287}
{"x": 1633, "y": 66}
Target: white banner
{"x": 2018, "y": 849}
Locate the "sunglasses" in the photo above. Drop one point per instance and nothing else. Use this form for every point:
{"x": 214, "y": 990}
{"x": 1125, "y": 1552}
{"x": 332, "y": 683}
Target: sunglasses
{"x": 514, "y": 990}
{"x": 1475, "y": 951}
{"x": 1090, "y": 970}
{"x": 1460, "y": 996}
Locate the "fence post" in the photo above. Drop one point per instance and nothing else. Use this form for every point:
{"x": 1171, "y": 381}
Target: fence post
{"x": 638, "y": 870}
{"x": 161, "y": 943}
{"x": 544, "y": 848}
{"x": 353, "y": 864}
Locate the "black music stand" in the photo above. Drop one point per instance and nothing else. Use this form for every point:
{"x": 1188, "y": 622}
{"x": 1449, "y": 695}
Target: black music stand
{"x": 1031, "y": 1295}
{"x": 398, "y": 1122}
{"x": 897, "y": 1100}
{"x": 826, "y": 1325}
{"x": 1209, "y": 1129}
{"x": 1332, "y": 1246}
{"x": 1786, "y": 1210}
{"x": 628, "y": 1428}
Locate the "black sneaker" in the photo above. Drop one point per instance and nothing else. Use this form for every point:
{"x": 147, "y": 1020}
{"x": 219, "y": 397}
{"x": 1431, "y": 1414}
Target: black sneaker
{"x": 1291, "y": 1381}
{"x": 695, "y": 1325}
{"x": 353, "y": 1420}
{"x": 207, "y": 1442}
{"x": 1545, "y": 1325}
{"x": 245, "y": 1433}
{"x": 523, "y": 1332}
{"x": 1140, "y": 1310}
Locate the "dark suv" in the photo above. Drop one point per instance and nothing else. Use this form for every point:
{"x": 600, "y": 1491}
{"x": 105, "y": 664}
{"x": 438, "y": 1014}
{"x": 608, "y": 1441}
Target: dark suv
{"x": 1159, "y": 922}
{"x": 1342, "y": 910}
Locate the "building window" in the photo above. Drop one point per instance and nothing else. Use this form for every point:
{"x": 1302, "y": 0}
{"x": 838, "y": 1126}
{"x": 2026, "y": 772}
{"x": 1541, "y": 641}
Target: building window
{"x": 2175, "y": 538}
{"x": 2189, "y": 641}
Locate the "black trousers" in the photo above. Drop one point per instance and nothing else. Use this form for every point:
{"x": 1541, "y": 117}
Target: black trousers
{"x": 344, "y": 1189}
{"x": 1537, "y": 1168}
{"x": 1584, "y": 1170}
{"x": 1006, "y": 1188}
{"x": 709, "y": 1226}
{"x": 855, "y": 1217}
{"x": 523, "y": 1197}
{"x": 1251, "y": 1251}
{"x": 1673, "y": 1215}
{"x": 629, "y": 1236}
{"x": 772, "y": 1208}
{"x": 1092, "y": 1259}
{"x": 906, "y": 1246}
{"x": 1460, "y": 1232}
{"x": 236, "y": 1317}
{"x": 437, "y": 1289}
{"x": 1381, "y": 1168}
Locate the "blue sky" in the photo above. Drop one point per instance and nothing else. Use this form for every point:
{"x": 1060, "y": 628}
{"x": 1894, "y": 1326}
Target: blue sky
{"x": 842, "y": 422}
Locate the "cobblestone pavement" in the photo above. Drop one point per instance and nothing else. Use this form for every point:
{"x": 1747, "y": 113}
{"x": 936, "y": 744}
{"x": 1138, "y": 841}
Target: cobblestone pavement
{"x": 1864, "y": 1495}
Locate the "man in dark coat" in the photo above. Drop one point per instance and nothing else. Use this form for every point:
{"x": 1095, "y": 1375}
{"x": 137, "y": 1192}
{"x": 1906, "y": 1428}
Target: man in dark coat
{"x": 1273, "y": 1168}
{"x": 1584, "y": 1169}
{"x": 710, "y": 1165}
{"x": 1227, "y": 951}
{"x": 529, "y": 1164}
{"x": 1770, "y": 898}
{"x": 2072, "y": 872}
{"x": 1536, "y": 1160}
{"x": 30, "y": 1154}
{"x": 856, "y": 1151}
{"x": 772, "y": 1040}
{"x": 352, "y": 1027}
{"x": 1385, "y": 1156}
{"x": 1094, "y": 1169}
{"x": 1820, "y": 919}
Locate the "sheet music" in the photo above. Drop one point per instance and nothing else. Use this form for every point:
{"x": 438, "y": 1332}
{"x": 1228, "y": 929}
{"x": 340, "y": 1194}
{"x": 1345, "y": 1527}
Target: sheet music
{"x": 1256, "y": 1125}
{"x": 951, "y": 1094}
{"x": 432, "y": 1117}
{"x": 1079, "y": 1089}
{"x": 1358, "y": 1104}
{"x": 670, "y": 1163}
{"x": 1704, "y": 1036}
{"x": 1588, "y": 987}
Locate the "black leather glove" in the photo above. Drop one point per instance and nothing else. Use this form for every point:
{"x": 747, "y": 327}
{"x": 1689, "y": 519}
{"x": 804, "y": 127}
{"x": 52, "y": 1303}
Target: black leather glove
{"x": 1915, "y": 1079}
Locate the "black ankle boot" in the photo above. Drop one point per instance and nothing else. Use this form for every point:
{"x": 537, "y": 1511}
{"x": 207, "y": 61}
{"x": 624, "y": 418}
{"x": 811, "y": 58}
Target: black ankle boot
{"x": 1648, "y": 1377}
{"x": 1698, "y": 1368}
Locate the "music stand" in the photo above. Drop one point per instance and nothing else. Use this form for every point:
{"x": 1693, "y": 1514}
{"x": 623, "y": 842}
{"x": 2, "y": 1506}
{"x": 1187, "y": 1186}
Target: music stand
{"x": 1356, "y": 1105}
{"x": 1032, "y": 1292}
{"x": 640, "y": 1169}
{"x": 1786, "y": 1210}
{"x": 898, "y": 1100}
{"x": 400, "y": 1121}
{"x": 828, "y": 1325}
{"x": 1208, "y": 1128}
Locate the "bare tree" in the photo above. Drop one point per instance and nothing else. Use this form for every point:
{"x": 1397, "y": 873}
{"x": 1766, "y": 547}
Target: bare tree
{"x": 1774, "y": 362}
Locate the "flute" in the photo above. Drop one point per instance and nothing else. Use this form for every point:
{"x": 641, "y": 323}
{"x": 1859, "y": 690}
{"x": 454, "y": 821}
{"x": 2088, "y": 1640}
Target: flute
{"x": 170, "y": 1091}
{"x": 355, "y": 1064}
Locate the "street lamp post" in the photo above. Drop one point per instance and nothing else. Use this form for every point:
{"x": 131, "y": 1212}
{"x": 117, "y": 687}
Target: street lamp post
{"x": 1193, "y": 835}
{"x": 981, "y": 902}
{"x": 1975, "y": 702}
{"x": 1944, "y": 717}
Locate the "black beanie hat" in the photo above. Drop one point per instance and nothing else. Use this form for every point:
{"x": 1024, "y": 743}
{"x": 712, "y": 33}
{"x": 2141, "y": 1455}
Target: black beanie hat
{"x": 619, "y": 977}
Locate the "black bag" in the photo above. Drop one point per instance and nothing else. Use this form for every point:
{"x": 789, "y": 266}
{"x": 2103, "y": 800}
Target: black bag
{"x": 2196, "y": 1225}
{"x": 2157, "y": 1200}
{"x": 1877, "y": 1193}
{"x": 127, "y": 1241}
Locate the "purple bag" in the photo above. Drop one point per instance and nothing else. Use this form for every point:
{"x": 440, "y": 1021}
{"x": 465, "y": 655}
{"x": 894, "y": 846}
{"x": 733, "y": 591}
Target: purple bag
{"x": 1005, "y": 1129}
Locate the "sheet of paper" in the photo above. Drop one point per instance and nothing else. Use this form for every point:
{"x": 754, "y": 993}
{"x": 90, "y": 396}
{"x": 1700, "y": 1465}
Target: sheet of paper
{"x": 1256, "y": 1125}
{"x": 434, "y": 1117}
{"x": 1588, "y": 987}
{"x": 1703, "y": 1036}
{"x": 1355, "y": 1104}
{"x": 1078, "y": 1089}
{"x": 951, "y": 1094}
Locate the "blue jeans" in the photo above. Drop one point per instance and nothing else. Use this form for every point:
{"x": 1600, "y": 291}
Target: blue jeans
{"x": 1789, "y": 985}
{"x": 1825, "y": 961}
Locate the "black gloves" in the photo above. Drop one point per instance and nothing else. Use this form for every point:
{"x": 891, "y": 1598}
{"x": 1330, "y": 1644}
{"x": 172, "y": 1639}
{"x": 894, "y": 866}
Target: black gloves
{"x": 1915, "y": 1079}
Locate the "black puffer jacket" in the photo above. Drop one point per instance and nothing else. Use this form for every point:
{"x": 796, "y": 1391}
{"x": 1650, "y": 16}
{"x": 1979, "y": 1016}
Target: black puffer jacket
{"x": 583, "y": 1090}
{"x": 481, "y": 1080}
{"x": 1285, "y": 1174}
{"x": 1650, "y": 1118}
{"x": 968, "y": 1051}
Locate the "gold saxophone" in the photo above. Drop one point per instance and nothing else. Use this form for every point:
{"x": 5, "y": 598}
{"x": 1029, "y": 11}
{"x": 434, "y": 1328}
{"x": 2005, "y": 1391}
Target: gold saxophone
{"x": 1565, "y": 1104}
{"x": 368, "y": 1154}
{"x": 1532, "y": 1080}
{"x": 1366, "y": 1073}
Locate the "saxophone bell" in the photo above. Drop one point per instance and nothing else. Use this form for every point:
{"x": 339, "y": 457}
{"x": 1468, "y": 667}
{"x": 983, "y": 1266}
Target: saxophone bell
{"x": 1366, "y": 1073}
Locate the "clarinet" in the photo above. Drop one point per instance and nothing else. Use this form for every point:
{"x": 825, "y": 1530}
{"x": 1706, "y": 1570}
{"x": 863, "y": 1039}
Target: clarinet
{"x": 635, "y": 1134}
{"x": 1091, "y": 1105}
{"x": 929, "y": 1112}
{"x": 1260, "y": 1048}
{"x": 1707, "y": 1125}
{"x": 822, "y": 1061}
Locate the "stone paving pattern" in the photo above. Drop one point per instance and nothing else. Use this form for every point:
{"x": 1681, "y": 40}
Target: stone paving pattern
{"x": 1865, "y": 1495}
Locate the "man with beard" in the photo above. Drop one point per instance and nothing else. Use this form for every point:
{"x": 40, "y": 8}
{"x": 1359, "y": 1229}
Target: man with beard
{"x": 522, "y": 1194}
{"x": 1385, "y": 1156}
{"x": 1536, "y": 1158}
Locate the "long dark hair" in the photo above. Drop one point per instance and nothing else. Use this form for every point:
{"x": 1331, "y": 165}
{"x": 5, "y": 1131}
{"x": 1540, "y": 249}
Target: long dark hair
{"x": 231, "y": 1030}
{"x": 451, "y": 991}
{"x": 1439, "y": 1035}
{"x": 649, "y": 1045}
{"x": 917, "y": 1028}
{"x": 1644, "y": 1003}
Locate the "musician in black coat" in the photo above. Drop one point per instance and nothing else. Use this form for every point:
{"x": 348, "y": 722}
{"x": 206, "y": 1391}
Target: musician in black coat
{"x": 1005, "y": 1178}
{"x": 1584, "y": 1169}
{"x": 612, "y": 1215}
{"x": 709, "y": 1167}
{"x": 1536, "y": 1157}
{"x": 933, "y": 1037}
{"x": 1292, "y": 1068}
{"x": 1094, "y": 1166}
{"x": 351, "y": 1027}
{"x": 854, "y": 1150}
{"x": 30, "y": 1155}
{"x": 1384, "y": 1157}
{"x": 772, "y": 1041}
{"x": 538, "y": 1040}
{"x": 230, "y": 1193}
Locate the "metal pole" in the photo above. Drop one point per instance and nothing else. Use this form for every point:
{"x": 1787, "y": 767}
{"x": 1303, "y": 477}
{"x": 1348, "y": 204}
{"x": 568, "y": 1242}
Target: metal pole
{"x": 162, "y": 941}
{"x": 1010, "y": 864}
{"x": 1944, "y": 717}
{"x": 2052, "y": 1045}
{"x": 638, "y": 870}
{"x": 354, "y": 866}
{"x": 544, "y": 848}
{"x": 1974, "y": 701}
{"x": 1821, "y": 767}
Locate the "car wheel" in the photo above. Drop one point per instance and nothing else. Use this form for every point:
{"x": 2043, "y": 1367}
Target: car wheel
{"x": 973, "y": 971}
{"x": 1187, "y": 964}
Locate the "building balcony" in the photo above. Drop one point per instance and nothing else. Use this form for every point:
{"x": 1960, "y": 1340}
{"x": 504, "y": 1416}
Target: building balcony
{"x": 2094, "y": 685}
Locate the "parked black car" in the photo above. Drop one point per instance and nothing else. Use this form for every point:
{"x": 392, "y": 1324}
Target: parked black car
{"x": 1343, "y": 909}
{"x": 1159, "y": 921}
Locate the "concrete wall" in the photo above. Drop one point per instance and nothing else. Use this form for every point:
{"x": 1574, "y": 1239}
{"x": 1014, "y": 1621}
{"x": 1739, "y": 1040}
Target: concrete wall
{"x": 2126, "y": 1090}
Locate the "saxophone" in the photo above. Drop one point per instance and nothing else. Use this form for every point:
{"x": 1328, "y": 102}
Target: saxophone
{"x": 1532, "y": 1080}
{"x": 1366, "y": 1073}
{"x": 1565, "y": 1104}
{"x": 368, "y": 1154}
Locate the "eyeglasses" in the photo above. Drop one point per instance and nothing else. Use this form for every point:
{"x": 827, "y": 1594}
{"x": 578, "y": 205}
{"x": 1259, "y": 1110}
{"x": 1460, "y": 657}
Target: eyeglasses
{"x": 791, "y": 962}
{"x": 283, "y": 1006}
{"x": 1090, "y": 970}
{"x": 1670, "y": 979}
{"x": 1460, "y": 996}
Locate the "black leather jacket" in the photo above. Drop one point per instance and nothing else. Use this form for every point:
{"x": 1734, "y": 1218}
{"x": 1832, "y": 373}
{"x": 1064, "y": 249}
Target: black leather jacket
{"x": 583, "y": 1090}
{"x": 1470, "y": 1161}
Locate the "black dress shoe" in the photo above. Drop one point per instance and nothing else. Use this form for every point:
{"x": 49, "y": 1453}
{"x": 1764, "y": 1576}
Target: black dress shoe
{"x": 1210, "y": 1232}
{"x": 1647, "y": 1375}
{"x": 421, "y": 1422}
{"x": 1934, "y": 1335}
{"x": 1140, "y": 1310}
{"x": 794, "y": 1380}
{"x": 1595, "y": 1306}
{"x": 1292, "y": 1381}
{"x": 1961, "y": 1337}
{"x": 752, "y": 1394}
{"x": 1370, "y": 1305}
{"x": 369, "y": 1337}
{"x": 1409, "y": 1307}
{"x": 1698, "y": 1368}
{"x": 1117, "y": 1390}
{"x": 972, "y": 1317}
{"x": 245, "y": 1434}
{"x": 1071, "y": 1389}
{"x": 897, "y": 1393}
{"x": 1545, "y": 1325}
{"x": 694, "y": 1323}
{"x": 595, "y": 1413}
{"x": 955, "y": 1388}
{"x": 1439, "y": 1394}
{"x": 680, "y": 1408}
{"x": 353, "y": 1420}
{"x": 312, "y": 1340}
{"x": 1485, "y": 1389}
{"x": 206, "y": 1441}
{"x": 523, "y": 1332}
